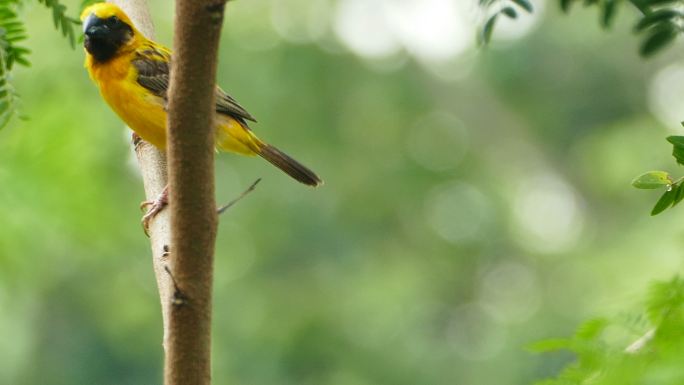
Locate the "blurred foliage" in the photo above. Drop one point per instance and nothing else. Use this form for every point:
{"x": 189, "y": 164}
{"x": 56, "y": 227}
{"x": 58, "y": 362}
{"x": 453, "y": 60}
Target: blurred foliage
{"x": 499, "y": 9}
{"x": 601, "y": 346}
{"x": 12, "y": 33}
{"x": 660, "y": 20}
{"x": 644, "y": 349}
{"x": 62, "y": 21}
{"x": 463, "y": 218}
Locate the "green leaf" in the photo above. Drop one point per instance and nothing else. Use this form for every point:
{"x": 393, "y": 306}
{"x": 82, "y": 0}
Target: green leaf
{"x": 676, "y": 140}
{"x": 550, "y": 345}
{"x": 489, "y": 29}
{"x": 524, "y": 4}
{"x": 678, "y": 153}
{"x": 591, "y": 329}
{"x": 664, "y": 202}
{"x": 22, "y": 60}
{"x": 565, "y": 5}
{"x": 657, "y": 17}
{"x": 609, "y": 8}
{"x": 510, "y": 12}
{"x": 679, "y": 194}
{"x": 677, "y": 148}
{"x": 661, "y": 36}
{"x": 652, "y": 180}
{"x": 55, "y": 17}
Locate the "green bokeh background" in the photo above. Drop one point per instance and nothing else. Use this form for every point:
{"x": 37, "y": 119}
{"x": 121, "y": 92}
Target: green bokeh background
{"x": 460, "y": 221}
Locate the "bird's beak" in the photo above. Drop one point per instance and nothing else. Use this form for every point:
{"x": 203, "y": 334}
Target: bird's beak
{"x": 94, "y": 27}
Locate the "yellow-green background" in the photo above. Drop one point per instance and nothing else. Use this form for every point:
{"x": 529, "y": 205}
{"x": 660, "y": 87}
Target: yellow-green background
{"x": 435, "y": 252}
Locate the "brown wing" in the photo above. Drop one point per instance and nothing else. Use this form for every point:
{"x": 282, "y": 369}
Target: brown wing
{"x": 225, "y": 104}
{"x": 153, "y": 74}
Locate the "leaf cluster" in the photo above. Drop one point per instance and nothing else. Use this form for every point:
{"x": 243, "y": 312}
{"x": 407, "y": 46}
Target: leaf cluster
{"x": 62, "y": 22}
{"x": 660, "y": 21}
{"x": 7, "y": 94}
{"x": 497, "y": 8}
{"x": 674, "y": 189}
{"x": 601, "y": 345}
{"x": 659, "y": 24}
{"x": 12, "y": 33}
{"x": 608, "y": 8}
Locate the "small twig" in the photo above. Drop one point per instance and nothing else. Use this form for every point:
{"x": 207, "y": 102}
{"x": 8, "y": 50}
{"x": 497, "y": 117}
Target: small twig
{"x": 230, "y": 204}
{"x": 179, "y": 299}
{"x": 639, "y": 344}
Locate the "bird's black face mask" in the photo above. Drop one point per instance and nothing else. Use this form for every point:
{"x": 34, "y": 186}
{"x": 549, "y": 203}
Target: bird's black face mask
{"x": 104, "y": 37}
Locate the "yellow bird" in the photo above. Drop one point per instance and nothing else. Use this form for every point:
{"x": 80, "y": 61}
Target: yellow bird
{"x": 132, "y": 73}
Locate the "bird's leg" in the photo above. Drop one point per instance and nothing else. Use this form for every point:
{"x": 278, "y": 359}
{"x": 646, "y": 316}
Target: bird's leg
{"x": 155, "y": 207}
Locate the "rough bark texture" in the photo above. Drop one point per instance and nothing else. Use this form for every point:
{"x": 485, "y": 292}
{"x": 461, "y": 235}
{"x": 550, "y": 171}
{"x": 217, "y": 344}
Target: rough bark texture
{"x": 153, "y": 169}
{"x": 191, "y": 189}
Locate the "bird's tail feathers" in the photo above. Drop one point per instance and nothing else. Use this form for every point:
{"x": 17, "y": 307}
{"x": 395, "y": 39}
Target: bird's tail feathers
{"x": 288, "y": 165}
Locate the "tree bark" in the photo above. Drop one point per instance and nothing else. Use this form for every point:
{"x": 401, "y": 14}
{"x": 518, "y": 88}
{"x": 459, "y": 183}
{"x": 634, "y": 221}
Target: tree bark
{"x": 183, "y": 236}
{"x": 153, "y": 168}
{"x": 191, "y": 189}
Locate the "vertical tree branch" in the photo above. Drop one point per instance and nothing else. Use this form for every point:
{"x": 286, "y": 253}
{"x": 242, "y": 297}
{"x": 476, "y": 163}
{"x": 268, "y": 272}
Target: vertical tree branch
{"x": 153, "y": 169}
{"x": 191, "y": 189}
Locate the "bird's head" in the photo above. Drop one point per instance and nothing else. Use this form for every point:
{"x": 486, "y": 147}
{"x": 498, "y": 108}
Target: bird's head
{"x": 107, "y": 29}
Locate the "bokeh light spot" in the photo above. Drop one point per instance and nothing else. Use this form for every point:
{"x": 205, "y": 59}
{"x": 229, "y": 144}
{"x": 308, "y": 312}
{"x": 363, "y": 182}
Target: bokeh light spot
{"x": 300, "y": 21}
{"x": 433, "y": 30}
{"x": 475, "y": 334}
{"x": 438, "y": 141}
{"x": 548, "y": 216}
{"x": 362, "y": 26}
{"x": 665, "y": 96}
{"x": 458, "y": 212}
{"x": 511, "y": 292}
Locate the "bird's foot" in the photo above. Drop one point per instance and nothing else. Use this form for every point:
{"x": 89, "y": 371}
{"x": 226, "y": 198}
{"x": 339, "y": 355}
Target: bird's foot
{"x": 154, "y": 207}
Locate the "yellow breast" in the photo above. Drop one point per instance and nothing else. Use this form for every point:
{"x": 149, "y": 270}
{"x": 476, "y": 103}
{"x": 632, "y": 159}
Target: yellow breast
{"x": 142, "y": 111}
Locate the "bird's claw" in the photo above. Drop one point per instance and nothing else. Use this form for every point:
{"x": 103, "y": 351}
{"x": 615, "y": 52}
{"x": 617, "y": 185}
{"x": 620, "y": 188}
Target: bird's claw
{"x": 156, "y": 208}
{"x": 145, "y": 204}
{"x": 153, "y": 207}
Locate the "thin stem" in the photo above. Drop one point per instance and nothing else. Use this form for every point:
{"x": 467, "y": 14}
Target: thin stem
{"x": 153, "y": 167}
